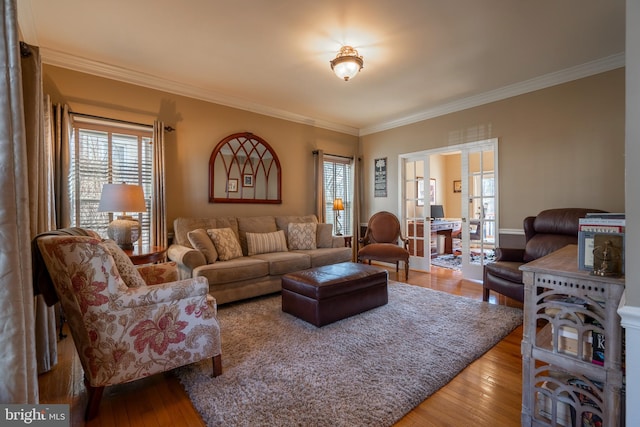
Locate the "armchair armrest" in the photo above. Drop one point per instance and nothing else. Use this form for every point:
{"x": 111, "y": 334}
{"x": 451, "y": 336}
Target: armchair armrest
{"x": 164, "y": 293}
{"x": 154, "y": 274}
{"x": 185, "y": 256}
{"x": 510, "y": 254}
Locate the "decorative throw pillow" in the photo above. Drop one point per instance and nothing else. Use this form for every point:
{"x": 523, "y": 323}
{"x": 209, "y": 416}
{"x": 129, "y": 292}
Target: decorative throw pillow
{"x": 127, "y": 270}
{"x": 260, "y": 243}
{"x": 302, "y": 235}
{"x": 324, "y": 235}
{"x": 201, "y": 241}
{"x": 226, "y": 243}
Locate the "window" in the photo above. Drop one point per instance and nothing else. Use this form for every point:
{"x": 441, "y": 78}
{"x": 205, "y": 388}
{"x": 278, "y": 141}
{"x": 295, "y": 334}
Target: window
{"x": 337, "y": 184}
{"x": 108, "y": 152}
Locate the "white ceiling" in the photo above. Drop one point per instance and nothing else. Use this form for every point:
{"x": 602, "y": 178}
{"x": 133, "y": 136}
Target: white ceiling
{"x": 422, "y": 58}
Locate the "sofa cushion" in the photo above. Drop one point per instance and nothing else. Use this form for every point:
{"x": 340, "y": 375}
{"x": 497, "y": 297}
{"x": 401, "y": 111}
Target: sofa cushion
{"x": 128, "y": 272}
{"x": 260, "y": 243}
{"x": 254, "y": 224}
{"x": 285, "y": 262}
{"x": 181, "y": 226}
{"x": 302, "y": 235}
{"x": 235, "y": 270}
{"x": 201, "y": 241}
{"x": 226, "y": 243}
{"x": 327, "y": 256}
{"x": 283, "y": 221}
{"x": 324, "y": 235}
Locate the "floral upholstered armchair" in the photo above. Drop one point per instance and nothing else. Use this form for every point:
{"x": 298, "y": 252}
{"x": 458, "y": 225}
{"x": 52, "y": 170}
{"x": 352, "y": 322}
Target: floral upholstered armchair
{"x": 124, "y": 329}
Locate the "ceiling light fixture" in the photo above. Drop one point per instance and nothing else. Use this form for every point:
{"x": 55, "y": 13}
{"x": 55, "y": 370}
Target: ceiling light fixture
{"x": 347, "y": 63}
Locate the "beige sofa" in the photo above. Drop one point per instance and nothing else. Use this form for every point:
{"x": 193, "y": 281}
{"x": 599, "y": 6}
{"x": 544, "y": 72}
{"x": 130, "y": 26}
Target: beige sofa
{"x": 200, "y": 249}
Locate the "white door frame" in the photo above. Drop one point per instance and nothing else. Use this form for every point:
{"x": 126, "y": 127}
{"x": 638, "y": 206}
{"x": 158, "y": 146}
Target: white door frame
{"x": 424, "y": 263}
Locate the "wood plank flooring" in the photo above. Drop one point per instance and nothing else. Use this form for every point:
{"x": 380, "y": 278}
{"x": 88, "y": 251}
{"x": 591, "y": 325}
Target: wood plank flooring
{"x": 487, "y": 393}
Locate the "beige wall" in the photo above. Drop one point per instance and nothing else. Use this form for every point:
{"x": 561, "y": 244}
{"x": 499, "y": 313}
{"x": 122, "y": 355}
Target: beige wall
{"x": 561, "y": 146}
{"x": 558, "y": 147}
{"x": 199, "y": 127}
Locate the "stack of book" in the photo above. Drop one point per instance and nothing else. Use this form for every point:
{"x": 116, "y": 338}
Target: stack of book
{"x": 601, "y": 243}
{"x": 569, "y": 310}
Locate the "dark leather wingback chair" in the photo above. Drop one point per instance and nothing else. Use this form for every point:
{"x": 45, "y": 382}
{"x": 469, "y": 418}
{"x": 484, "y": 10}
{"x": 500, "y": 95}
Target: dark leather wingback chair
{"x": 381, "y": 242}
{"x": 547, "y": 232}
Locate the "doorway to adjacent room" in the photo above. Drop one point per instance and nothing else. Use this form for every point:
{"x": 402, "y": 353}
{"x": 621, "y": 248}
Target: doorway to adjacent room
{"x": 449, "y": 206}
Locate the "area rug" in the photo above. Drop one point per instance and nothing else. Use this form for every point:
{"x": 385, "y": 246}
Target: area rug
{"x": 454, "y": 262}
{"x": 366, "y": 370}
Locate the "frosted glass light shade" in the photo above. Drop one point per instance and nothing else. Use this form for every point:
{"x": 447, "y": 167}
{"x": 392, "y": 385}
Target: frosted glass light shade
{"x": 347, "y": 63}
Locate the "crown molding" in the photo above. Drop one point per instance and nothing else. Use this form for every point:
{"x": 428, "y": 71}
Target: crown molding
{"x": 563, "y": 76}
{"x": 64, "y": 60}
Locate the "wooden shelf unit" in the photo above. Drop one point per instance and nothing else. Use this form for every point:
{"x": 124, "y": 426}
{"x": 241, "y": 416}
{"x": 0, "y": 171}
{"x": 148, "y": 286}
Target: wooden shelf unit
{"x": 562, "y": 384}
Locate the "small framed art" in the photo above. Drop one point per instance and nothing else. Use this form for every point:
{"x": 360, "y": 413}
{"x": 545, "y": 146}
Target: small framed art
{"x": 457, "y": 186}
{"x": 247, "y": 180}
{"x": 232, "y": 186}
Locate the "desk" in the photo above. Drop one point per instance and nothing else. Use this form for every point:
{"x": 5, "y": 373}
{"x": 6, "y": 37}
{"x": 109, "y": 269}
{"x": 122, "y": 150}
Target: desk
{"x": 443, "y": 228}
{"x": 145, "y": 254}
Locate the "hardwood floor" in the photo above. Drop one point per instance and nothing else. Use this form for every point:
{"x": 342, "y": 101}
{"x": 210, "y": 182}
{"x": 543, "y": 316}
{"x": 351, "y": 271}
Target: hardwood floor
{"x": 487, "y": 393}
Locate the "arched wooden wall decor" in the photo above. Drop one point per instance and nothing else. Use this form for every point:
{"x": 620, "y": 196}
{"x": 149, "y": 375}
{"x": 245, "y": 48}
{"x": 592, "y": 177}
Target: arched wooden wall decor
{"x": 243, "y": 168}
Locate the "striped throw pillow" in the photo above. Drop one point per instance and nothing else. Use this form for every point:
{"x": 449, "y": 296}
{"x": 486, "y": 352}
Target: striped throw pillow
{"x": 261, "y": 243}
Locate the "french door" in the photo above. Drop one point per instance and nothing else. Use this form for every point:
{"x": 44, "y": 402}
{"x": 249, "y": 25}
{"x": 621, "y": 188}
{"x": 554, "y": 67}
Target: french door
{"x": 415, "y": 210}
{"x": 472, "y": 203}
{"x": 479, "y": 206}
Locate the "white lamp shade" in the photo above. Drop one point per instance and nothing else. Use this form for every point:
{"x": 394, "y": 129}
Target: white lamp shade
{"x": 122, "y": 198}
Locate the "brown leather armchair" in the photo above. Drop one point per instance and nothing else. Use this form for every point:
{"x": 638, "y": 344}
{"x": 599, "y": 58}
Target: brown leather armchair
{"x": 381, "y": 242}
{"x": 547, "y": 232}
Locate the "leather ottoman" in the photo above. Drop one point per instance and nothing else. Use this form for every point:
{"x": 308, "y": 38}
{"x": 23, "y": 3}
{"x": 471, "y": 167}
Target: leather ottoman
{"x": 326, "y": 294}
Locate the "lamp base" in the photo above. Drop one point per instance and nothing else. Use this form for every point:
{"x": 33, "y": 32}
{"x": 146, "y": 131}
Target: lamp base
{"x": 124, "y": 230}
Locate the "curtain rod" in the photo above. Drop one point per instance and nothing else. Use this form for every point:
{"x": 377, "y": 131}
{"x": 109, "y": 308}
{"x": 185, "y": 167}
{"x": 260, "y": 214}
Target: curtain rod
{"x": 314, "y": 152}
{"x": 91, "y": 116}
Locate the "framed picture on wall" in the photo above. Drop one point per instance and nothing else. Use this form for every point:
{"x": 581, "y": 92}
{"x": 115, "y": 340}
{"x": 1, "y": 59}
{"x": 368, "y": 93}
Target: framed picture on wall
{"x": 457, "y": 186}
{"x": 380, "y": 178}
{"x": 247, "y": 180}
{"x": 232, "y": 185}
{"x": 432, "y": 191}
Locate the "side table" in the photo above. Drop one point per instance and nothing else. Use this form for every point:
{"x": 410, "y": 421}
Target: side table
{"x": 146, "y": 254}
{"x": 347, "y": 241}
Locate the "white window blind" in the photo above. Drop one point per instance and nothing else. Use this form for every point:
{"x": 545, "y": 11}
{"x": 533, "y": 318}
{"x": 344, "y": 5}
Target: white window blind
{"x": 108, "y": 152}
{"x": 337, "y": 183}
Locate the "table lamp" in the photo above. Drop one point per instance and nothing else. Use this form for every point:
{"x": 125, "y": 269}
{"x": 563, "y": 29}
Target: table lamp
{"x": 124, "y": 230}
{"x": 338, "y": 206}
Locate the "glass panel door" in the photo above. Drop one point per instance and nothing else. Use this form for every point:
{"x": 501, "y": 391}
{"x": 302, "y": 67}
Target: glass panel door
{"x": 414, "y": 205}
{"x": 479, "y": 189}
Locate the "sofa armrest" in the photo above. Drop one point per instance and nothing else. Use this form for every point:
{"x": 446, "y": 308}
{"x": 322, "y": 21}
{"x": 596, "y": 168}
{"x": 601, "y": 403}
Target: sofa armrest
{"x": 510, "y": 254}
{"x": 337, "y": 242}
{"x": 187, "y": 257}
